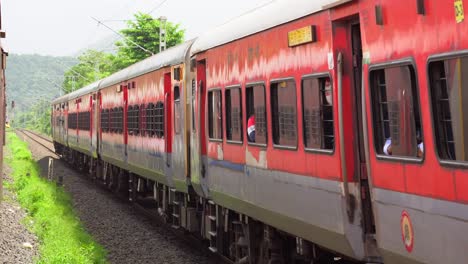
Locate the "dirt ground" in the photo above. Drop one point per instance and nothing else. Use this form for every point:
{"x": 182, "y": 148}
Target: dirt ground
{"x": 17, "y": 244}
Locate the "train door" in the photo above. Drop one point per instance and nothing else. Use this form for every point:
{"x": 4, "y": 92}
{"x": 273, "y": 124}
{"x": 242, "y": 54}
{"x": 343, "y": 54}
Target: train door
{"x": 124, "y": 117}
{"x": 76, "y": 123}
{"x": 65, "y": 121}
{"x": 348, "y": 45}
{"x": 98, "y": 123}
{"x": 91, "y": 119}
{"x": 168, "y": 119}
{"x": 368, "y": 222}
{"x": 198, "y": 142}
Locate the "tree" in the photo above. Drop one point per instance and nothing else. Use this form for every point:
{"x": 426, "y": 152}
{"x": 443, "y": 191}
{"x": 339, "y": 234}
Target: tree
{"x": 145, "y": 31}
{"x": 92, "y": 66}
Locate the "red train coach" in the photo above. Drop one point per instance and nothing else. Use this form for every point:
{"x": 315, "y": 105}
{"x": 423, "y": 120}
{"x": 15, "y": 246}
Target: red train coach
{"x": 359, "y": 145}
{"x": 59, "y": 125}
{"x": 82, "y": 117}
{"x": 319, "y": 167}
{"x": 142, "y": 118}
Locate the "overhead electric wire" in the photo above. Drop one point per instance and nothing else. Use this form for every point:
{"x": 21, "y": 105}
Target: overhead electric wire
{"x": 131, "y": 41}
{"x": 156, "y": 7}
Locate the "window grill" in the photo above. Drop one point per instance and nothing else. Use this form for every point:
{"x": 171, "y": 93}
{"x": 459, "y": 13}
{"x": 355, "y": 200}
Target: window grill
{"x": 177, "y": 110}
{"x": 396, "y": 110}
{"x": 159, "y": 119}
{"x": 105, "y": 120}
{"x": 133, "y": 120}
{"x": 150, "y": 120}
{"x": 215, "y": 125}
{"x": 448, "y": 81}
{"x": 234, "y": 114}
{"x": 255, "y": 103}
{"x": 72, "y": 121}
{"x": 317, "y": 100}
{"x": 84, "y": 122}
{"x": 283, "y": 111}
{"x": 116, "y": 120}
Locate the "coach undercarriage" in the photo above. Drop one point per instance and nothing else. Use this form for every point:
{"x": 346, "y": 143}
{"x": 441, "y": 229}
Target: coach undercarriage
{"x": 235, "y": 236}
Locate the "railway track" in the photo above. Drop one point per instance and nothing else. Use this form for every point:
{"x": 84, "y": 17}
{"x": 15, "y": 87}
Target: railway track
{"x": 140, "y": 207}
{"x": 39, "y": 139}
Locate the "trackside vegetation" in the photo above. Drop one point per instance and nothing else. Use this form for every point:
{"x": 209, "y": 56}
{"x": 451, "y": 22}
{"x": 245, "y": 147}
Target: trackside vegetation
{"x": 62, "y": 236}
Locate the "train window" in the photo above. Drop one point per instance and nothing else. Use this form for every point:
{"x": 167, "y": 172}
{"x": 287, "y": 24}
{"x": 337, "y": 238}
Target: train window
{"x": 283, "y": 111}
{"x": 317, "y": 112}
{"x": 84, "y": 121}
{"x": 72, "y": 121}
{"x": 80, "y": 120}
{"x": 116, "y": 120}
{"x": 215, "y": 121}
{"x": 449, "y": 94}
{"x": 193, "y": 105}
{"x": 177, "y": 109}
{"x": 111, "y": 120}
{"x": 142, "y": 124}
{"x": 234, "y": 114}
{"x": 159, "y": 119}
{"x": 149, "y": 116}
{"x": 133, "y": 120}
{"x": 256, "y": 111}
{"x": 396, "y": 118}
{"x": 104, "y": 120}
{"x": 120, "y": 120}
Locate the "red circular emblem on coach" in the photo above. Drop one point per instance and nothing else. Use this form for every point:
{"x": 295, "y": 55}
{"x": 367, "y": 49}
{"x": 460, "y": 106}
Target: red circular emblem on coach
{"x": 407, "y": 233}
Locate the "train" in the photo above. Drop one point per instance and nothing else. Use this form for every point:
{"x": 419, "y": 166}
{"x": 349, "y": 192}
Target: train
{"x": 3, "y": 108}
{"x": 360, "y": 149}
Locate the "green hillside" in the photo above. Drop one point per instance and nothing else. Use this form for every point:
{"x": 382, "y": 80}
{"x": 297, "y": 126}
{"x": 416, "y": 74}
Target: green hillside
{"x": 32, "y": 81}
{"x": 31, "y": 77}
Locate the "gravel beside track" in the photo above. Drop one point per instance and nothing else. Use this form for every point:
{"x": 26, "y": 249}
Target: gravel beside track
{"x": 13, "y": 234}
{"x": 127, "y": 235}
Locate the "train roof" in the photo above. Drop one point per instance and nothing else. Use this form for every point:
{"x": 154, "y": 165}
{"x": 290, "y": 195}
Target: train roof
{"x": 267, "y": 16}
{"x": 61, "y": 99}
{"x": 85, "y": 90}
{"x": 171, "y": 56}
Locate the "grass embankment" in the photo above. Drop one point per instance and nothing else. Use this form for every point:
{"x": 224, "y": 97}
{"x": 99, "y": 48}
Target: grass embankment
{"x": 62, "y": 237}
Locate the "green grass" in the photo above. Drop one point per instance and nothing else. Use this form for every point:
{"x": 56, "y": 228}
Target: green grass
{"x": 62, "y": 237}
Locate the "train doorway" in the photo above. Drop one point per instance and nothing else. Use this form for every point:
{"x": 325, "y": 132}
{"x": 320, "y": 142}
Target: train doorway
{"x": 348, "y": 45}
{"x": 368, "y": 219}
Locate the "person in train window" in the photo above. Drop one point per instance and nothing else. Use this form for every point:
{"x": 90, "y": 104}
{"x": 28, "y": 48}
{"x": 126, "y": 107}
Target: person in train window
{"x": 328, "y": 92}
{"x": 251, "y": 128}
{"x": 387, "y": 149}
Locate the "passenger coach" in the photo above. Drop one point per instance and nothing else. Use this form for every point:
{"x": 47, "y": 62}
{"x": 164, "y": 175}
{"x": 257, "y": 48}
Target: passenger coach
{"x": 359, "y": 146}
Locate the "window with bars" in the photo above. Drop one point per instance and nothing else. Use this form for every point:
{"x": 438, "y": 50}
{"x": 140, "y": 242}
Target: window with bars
{"x": 116, "y": 120}
{"x": 283, "y": 111}
{"x": 154, "y": 117}
{"x": 133, "y": 120}
{"x": 105, "y": 120}
{"x": 234, "y": 114}
{"x": 84, "y": 121}
{"x": 255, "y": 102}
{"x": 72, "y": 121}
{"x": 177, "y": 110}
{"x": 448, "y": 84}
{"x": 150, "y": 120}
{"x": 159, "y": 119}
{"x": 215, "y": 121}
{"x": 317, "y": 112}
{"x": 396, "y": 118}
{"x": 142, "y": 124}
{"x": 193, "y": 105}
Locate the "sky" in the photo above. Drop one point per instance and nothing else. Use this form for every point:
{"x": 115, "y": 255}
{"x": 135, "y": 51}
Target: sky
{"x": 64, "y": 27}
